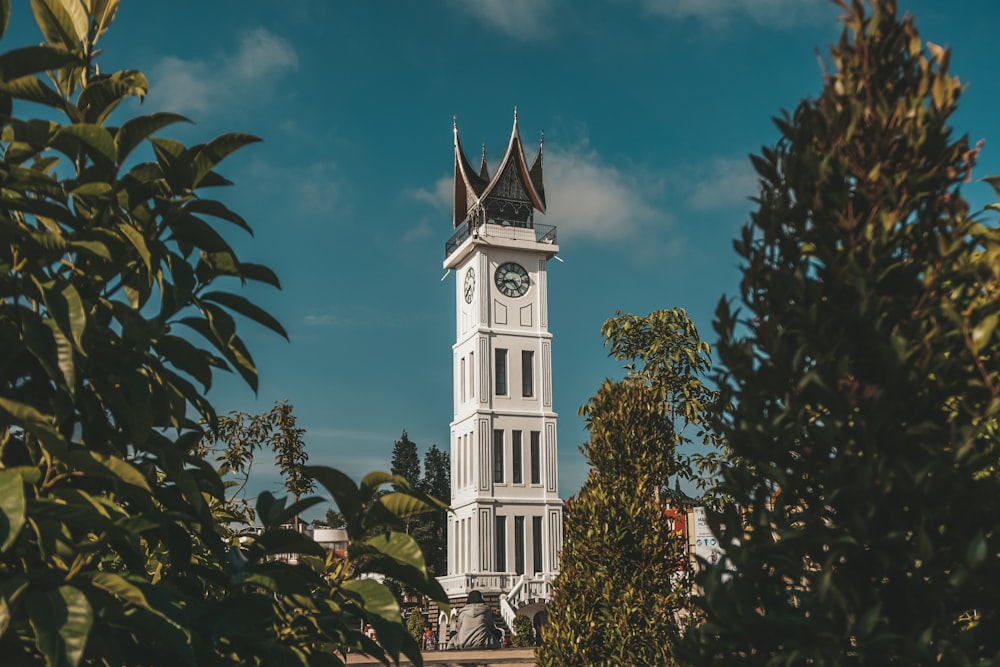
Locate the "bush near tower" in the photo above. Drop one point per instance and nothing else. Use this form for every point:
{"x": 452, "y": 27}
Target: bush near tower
{"x": 620, "y": 598}
{"x": 863, "y": 370}
{"x": 116, "y": 310}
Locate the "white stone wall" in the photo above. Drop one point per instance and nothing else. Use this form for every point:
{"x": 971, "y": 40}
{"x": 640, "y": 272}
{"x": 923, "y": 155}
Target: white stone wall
{"x": 493, "y": 321}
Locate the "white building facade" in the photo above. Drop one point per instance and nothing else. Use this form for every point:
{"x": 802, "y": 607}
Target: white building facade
{"x": 506, "y": 530}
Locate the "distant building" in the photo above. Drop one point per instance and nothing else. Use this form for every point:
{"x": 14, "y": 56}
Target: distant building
{"x": 505, "y": 534}
{"x": 331, "y": 539}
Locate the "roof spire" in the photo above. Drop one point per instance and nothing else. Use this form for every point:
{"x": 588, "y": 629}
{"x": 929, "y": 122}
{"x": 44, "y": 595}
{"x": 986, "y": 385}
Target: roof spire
{"x": 535, "y": 172}
{"x": 484, "y": 171}
{"x": 515, "y": 114}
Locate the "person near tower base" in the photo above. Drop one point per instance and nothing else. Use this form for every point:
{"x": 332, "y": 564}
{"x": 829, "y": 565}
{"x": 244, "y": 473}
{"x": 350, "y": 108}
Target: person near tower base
{"x": 475, "y": 627}
{"x": 430, "y": 639}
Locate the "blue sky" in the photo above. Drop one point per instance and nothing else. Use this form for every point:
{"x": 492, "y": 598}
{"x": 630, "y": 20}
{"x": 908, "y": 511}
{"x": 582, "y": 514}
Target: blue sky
{"x": 649, "y": 109}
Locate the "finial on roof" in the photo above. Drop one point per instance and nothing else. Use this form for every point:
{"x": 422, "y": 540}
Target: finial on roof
{"x": 515, "y": 113}
{"x": 454, "y": 121}
{"x": 541, "y": 142}
{"x": 484, "y": 172}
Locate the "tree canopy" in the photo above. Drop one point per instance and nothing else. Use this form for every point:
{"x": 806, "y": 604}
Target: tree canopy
{"x": 406, "y": 460}
{"x": 862, "y": 374}
{"x": 236, "y": 437}
{"x": 117, "y": 310}
{"x": 429, "y": 529}
{"x": 622, "y": 594}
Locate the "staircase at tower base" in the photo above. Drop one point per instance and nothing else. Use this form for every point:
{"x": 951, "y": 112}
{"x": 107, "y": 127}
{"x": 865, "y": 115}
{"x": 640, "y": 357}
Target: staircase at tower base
{"x": 529, "y": 591}
{"x": 518, "y": 593}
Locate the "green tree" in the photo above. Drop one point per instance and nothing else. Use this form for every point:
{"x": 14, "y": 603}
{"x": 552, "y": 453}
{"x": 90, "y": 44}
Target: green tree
{"x": 289, "y": 450}
{"x": 437, "y": 474}
{"x": 415, "y": 625}
{"x": 114, "y": 317}
{"x": 406, "y": 459}
{"x": 406, "y": 464}
{"x": 863, "y": 378}
{"x": 241, "y": 434}
{"x": 622, "y": 594}
{"x": 102, "y": 267}
{"x": 433, "y": 537}
{"x": 332, "y": 519}
{"x": 268, "y": 610}
{"x": 429, "y": 529}
{"x": 523, "y": 632}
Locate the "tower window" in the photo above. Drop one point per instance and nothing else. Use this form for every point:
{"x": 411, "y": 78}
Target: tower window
{"x": 498, "y": 456}
{"x": 501, "y": 372}
{"x": 516, "y": 464}
{"x": 527, "y": 373}
{"x": 536, "y": 457}
{"x": 461, "y": 374}
{"x": 519, "y": 544}
{"x": 472, "y": 374}
{"x": 536, "y": 543}
{"x": 501, "y": 544}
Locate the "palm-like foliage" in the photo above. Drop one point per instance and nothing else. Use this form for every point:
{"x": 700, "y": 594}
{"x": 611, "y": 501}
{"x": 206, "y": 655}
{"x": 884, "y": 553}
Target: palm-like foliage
{"x": 115, "y": 315}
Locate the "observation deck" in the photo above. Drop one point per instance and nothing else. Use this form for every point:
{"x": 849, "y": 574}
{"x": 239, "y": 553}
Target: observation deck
{"x": 501, "y": 229}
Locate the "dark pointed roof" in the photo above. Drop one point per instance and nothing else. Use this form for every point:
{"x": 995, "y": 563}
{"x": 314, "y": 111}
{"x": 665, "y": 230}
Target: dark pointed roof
{"x": 468, "y": 185}
{"x": 536, "y": 172}
{"x": 484, "y": 171}
{"x": 473, "y": 190}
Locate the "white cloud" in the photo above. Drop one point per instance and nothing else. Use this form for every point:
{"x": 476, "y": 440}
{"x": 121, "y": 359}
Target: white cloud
{"x": 330, "y": 320}
{"x": 589, "y": 199}
{"x": 199, "y": 85}
{"x": 723, "y": 183}
{"x": 524, "y": 19}
{"x": 262, "y": 55}
{"x": 421, "y": 230}
{"x": 182, "y": 85}
{"x": 316, "y": 188}
{"x": 321, "y": 320}
{"x": 719, "y": 13}
{"x": 312, "y": 189}
{"x": 439, "y": 196}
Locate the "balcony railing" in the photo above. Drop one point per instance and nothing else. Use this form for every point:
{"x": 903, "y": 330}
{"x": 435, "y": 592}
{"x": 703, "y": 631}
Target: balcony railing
{"x": 503, "y": 230}
{"x": 485, "y": 582}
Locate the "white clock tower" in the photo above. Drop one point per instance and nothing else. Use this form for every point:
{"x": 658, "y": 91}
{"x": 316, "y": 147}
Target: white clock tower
{"x": 505, "y": 534}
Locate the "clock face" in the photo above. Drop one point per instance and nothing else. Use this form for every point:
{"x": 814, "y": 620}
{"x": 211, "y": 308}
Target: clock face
{"x": 512, "y": 279}
{"x": 470, "y": 284}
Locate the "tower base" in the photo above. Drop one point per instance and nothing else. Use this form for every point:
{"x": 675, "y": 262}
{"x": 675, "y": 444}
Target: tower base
{"x": 507, "y": 595}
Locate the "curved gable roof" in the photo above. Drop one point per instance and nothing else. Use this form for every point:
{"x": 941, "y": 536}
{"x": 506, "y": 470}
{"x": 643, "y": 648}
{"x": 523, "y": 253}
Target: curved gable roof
{"x": 472, "y": 189}
{"x": 467, "y": 182}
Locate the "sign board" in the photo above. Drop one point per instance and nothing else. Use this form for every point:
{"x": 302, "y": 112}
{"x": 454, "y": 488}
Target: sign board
{"x": 705, "y": 544}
